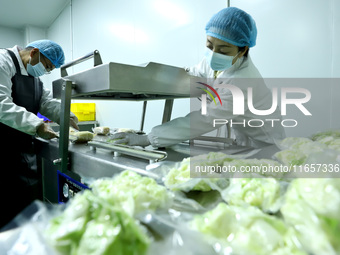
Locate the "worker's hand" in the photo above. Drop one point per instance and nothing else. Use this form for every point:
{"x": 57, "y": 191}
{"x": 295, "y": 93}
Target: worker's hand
{"x": 45, "y": 132}
{"x": 130, "y": 139}
{"x": 73, "y": 122}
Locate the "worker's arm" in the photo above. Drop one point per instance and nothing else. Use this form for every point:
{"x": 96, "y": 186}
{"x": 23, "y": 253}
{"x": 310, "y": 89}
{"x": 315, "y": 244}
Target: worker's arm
{"x": 11, "y": 114}
{"x": 50, "y": 108}
{"x": 192, "y": 125}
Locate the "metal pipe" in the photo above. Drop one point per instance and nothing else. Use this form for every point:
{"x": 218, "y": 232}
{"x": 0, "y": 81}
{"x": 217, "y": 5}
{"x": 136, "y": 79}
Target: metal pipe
{"x": 134, "y": 152}
{"x": 94, "y": 54}
{"x": 65, "y": 124}
{"x": 143, "y": 117}
{"x": 167, "y": 110}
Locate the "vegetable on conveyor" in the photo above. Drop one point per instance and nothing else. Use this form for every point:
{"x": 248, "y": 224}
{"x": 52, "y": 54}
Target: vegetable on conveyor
{"x": 178, "y": 177}
{"x": 81, "y": 136}
{"x": 101, "y": 130}
{"x": 264, "y": 193}
{"x": 134, "y": 192}
{"x": 92, "y": 225}
{"x": 247, "y": 230}
{"x": 312, "y": 206}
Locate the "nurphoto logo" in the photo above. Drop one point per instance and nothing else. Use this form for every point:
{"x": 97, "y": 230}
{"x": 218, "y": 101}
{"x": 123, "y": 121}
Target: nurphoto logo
{"x": 239, "y": 101}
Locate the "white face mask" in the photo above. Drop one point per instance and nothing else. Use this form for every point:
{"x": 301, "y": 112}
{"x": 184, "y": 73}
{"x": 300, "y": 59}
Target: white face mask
{"x": 219, "y": 62}
{"x": 36, "y": 70}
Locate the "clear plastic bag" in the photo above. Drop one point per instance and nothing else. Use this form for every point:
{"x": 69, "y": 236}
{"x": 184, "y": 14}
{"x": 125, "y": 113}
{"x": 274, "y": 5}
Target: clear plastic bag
{"x": 101, "y": 130}
{"x": 173, "y": 237}
{"x": 191, "y": 194}
{"x": 166, "y": 231}
{"x": 24, "y": 235}
{"x": 81, "y": 136}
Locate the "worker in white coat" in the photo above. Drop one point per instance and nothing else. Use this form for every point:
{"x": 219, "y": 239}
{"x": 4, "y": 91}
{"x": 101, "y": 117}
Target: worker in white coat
{"x": 22, "y": 96}
{"x": 230, "y": 34}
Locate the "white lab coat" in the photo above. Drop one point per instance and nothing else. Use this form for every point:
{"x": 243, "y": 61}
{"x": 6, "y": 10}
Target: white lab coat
{"x": 196, "y": 124}
{"x": 13, "y": 115}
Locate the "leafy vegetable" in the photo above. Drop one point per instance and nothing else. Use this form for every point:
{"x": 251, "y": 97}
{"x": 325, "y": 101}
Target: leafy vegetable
{"x": 134, "y": 192}
{"x": 312, "y": 206}
{"x": 264, "y": 193}
{"x": 291, "y": 157}
{"x": 331, "y": 142}
{"x": 294, "y": 142}
{"x": 247, "y": 230}
{"x": 81, "y": 136}
{"x": 298, "y": 150}
{"x": 91, "y": 225}
{"x": 179, "y": 178}
{"x": 329, "y": 133}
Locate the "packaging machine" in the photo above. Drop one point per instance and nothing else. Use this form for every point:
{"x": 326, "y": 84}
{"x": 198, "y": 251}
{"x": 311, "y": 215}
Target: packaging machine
{"x": 67, "y": 167}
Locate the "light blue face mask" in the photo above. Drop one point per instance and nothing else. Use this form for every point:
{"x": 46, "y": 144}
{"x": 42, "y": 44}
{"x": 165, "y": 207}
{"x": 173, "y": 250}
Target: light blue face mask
{"x": 219, "y": 62}
{"x": 36, "y": 70}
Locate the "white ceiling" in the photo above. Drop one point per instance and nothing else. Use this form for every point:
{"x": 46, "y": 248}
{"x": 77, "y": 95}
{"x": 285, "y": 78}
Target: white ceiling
{"x": 20, "y": 13}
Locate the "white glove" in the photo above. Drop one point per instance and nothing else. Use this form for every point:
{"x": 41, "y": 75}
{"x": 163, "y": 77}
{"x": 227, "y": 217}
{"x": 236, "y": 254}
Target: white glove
{"x": 45, "y": 132}
{"x": 130, "y": 139}
{"x": 74, "y": 121}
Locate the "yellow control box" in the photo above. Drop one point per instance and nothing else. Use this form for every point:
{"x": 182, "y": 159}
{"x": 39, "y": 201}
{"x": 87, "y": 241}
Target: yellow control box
{"x": 84, "y": 111}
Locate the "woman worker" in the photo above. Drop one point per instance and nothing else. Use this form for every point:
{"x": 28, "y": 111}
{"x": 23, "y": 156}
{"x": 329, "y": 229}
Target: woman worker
{"x": 230, "y": 34}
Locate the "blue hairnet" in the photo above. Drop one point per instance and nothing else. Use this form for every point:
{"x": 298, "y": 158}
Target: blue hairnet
{"x": 233, "y": 26}
{"x": 50, "y": 50}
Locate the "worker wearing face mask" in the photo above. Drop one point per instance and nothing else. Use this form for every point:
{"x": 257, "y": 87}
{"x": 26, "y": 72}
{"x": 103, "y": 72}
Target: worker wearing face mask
{"x": 22, "y": 96}
{"x": 230, "y": 34}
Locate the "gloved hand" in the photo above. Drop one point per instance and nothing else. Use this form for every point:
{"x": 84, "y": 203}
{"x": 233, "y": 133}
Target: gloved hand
{"x": 74, "y": 121}
{"x": 130, "y": 139}
{"x": 45, "y": 132}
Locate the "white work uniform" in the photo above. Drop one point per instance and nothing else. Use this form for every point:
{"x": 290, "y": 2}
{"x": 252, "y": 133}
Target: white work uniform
{"x": 16, "y": 116}
{"x": 196, "y": 124}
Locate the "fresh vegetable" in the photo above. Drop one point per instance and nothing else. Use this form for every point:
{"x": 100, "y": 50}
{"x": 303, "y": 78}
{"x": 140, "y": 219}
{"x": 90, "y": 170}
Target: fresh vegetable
{"x": 312, "y": 206}
{"x": 134, "y": 192}
{"x": 291, "y": 157}
{"x": 264, "y": 193}
{"x": 329, "y": 133}
{"x": 247, "y": 230}
{"x": 101, "y": 130}
{"x": 294, "y": 142}
{"x": 92, "y": 225}
{"x": 331, "y": 142}
{"x": 81, "y": 137}
{"x": 179, "y": 177}
{"x": 298, "y": 150}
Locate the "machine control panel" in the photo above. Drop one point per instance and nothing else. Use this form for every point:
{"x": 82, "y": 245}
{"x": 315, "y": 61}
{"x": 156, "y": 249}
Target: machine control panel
{"x": 68, "y": 187}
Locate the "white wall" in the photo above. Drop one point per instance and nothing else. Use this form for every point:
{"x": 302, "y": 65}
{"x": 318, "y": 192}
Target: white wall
{"x": 296, "y": 39}
{"x": 10, "y": 37}
{"x": 336, "y": 65}
{"x": 33, "y": 33}
{"x": 14, "y": 36}
{"x": 61, "y": 32}
{"x": 300, "y": 39}
{"x": 134, "y": 32}
{"x": 21, "y": 37}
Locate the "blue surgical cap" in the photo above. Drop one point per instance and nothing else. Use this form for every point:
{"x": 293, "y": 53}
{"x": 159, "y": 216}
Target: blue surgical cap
{"x": 50, "y": 50}
{"x": 233, "y": 26}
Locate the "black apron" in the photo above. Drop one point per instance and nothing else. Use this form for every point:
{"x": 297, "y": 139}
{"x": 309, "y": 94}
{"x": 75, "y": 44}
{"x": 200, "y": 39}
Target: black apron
{"x": 27, "y": 93}
{"x": 19, "y": 182}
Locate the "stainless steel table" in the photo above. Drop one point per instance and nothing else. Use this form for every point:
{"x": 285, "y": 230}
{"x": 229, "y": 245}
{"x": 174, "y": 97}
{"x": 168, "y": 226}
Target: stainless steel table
{"x": 87, "y": 163}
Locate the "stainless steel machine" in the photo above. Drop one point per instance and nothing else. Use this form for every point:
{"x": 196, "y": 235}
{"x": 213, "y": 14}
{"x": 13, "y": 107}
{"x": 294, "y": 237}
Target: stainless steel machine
{"x": 66, "y": 167}
{"x": 67, "y": 162}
